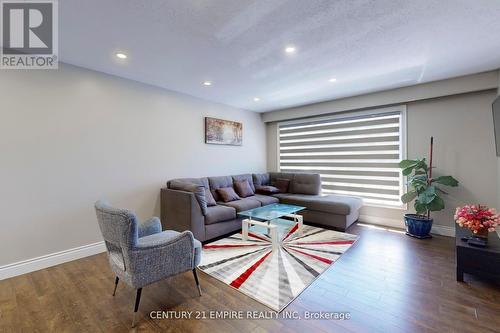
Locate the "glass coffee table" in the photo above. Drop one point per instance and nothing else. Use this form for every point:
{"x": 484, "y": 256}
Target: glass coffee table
{"x": 269, "y": 218}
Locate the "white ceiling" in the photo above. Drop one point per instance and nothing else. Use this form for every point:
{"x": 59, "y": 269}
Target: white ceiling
{"x": 367, "y": 45}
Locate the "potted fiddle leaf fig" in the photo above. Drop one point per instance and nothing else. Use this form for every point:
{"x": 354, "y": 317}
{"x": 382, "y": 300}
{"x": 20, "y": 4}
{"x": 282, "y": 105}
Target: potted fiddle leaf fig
{"x": 425, "y": 191}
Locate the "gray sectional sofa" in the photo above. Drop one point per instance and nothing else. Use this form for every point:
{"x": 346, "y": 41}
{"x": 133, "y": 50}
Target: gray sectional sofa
{"x": 184, "y": 205}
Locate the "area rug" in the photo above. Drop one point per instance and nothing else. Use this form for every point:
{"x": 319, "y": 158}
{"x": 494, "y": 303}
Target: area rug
{"x": 274, "y": 278}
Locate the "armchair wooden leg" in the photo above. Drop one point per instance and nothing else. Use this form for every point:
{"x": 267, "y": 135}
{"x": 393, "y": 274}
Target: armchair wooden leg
{"x": 116, "y": 285}
{"x": 196, "y": 279}
{"x": 136, "y": 307}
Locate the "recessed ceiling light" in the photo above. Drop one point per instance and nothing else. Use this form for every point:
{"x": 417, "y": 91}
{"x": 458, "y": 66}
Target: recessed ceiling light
{"x": 207, "y": 83}
{"x": 332, "y": 79}
{"x": 290, "y": 49}
{"x": 256, "y": 99}
{"x": 121, "y": 55}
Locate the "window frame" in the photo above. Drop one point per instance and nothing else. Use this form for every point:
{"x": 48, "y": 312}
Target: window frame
{"x": 403, "y": 127}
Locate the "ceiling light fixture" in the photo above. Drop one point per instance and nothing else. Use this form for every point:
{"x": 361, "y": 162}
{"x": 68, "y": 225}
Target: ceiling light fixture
{"x": 290, "y": 49}
{"x": 121, "y": 55}
{"x": 256, "y": 99}
{"x": 207, "y": 83}
{"x": 332, "y": 80}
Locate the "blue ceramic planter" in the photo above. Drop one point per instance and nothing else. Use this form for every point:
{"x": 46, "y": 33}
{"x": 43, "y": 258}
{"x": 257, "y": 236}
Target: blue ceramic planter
{"x": 418, "y": 226}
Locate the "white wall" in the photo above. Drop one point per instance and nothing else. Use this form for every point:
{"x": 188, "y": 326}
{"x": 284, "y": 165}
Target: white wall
{"x": 72, "y": 136}
{"x": 463, "y": 147}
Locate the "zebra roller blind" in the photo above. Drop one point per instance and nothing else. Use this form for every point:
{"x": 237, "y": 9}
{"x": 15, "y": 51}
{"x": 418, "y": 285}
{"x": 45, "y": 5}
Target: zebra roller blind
{"x": 356, "y": 155}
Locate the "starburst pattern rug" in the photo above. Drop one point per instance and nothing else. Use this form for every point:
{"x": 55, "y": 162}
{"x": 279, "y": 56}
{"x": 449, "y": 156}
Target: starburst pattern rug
{"x": 274, "y": 278}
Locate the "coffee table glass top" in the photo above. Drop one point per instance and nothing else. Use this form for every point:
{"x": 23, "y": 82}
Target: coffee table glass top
{"x": 271, "y": 212}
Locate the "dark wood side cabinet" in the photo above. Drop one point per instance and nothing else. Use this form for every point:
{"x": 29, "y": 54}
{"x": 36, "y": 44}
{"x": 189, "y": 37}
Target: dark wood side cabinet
{"x": 479, "y": 261}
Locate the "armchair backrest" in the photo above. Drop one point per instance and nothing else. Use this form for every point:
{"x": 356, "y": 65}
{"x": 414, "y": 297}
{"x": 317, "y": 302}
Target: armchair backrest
{"x": 118, "y": 227}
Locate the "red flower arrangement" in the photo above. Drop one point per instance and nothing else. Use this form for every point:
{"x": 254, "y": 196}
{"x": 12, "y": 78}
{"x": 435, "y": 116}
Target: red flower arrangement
{"x": 479, "y": 219}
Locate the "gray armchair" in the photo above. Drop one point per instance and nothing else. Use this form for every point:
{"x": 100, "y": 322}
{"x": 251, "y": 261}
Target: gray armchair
{"x": 141, "y": 254}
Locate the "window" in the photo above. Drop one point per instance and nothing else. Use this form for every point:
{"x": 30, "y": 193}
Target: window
{"x": 356, "y": 153}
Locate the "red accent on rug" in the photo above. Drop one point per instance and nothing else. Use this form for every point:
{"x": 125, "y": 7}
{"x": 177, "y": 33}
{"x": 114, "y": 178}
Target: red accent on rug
{"x": 295, "y": 227}
{"x": 258, "y": 237}
{"x": 246, "y": 274}
{"x": 326, "y": 243}
{"x": 229, "y": 245}
{"x": 327, "y": 261}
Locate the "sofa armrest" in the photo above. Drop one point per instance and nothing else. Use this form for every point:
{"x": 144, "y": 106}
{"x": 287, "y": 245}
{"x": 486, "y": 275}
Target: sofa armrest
{"x": 180, "y": 211}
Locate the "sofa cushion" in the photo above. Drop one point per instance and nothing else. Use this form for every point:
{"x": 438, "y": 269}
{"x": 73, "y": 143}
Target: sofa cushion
{"x": 307, "y": 183}
{"x": 334, "y": 204}
{"x": 219, "y": 182}
{"x": 274, "y": 175}
{"x": 260, "y": 179}
{"x": 227, "y": 194}
{"x": 247, "y": 176}
{"x": 242, "y": 204}
{"x": 266, "y": 189}
{"x": 197, "y": 189}
{"x": 281, "y": 195}
{"x": 265, "y": 199}
{"x": 219, "y": 213}
{"x": 222, "y": 228}
{"x": 243, "y": 188}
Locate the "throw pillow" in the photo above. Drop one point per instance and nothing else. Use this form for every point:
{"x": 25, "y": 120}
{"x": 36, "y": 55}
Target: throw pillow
{"x": 209, "y": 198}
{"x": 282, "y": 184}
{"x": 227, "y": 194}
{"x": 266, "y": 189}
{"x": 243, "y": 188}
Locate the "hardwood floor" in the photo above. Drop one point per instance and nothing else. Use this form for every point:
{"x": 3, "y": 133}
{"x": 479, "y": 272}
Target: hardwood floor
{"x": 388, "y": 282}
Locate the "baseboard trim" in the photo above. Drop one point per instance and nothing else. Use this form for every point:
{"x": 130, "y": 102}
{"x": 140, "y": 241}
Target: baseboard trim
{"x": 443, "y": 230}
{"x": 53, "y": 259}
{"x": 396, "y": 223}
{"x": 393, "y": 223}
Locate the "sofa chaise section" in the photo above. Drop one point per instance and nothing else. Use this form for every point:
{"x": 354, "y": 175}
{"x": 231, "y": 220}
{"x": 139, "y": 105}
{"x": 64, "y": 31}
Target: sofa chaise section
{"x": 338, "y": 211}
